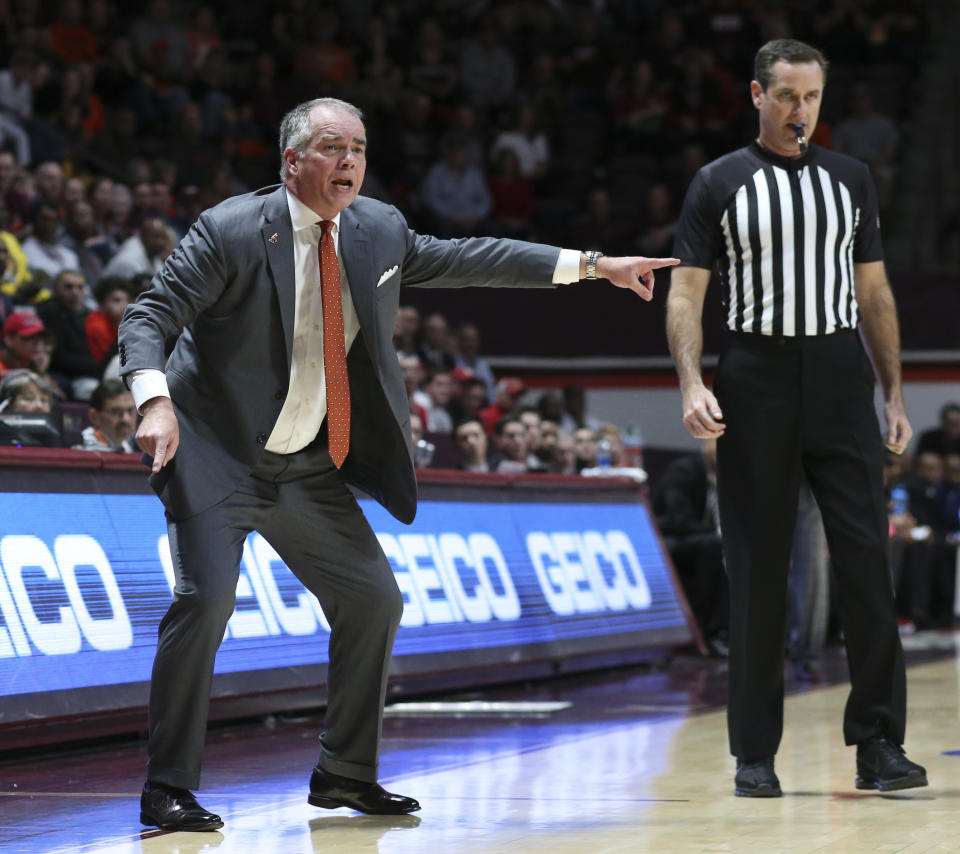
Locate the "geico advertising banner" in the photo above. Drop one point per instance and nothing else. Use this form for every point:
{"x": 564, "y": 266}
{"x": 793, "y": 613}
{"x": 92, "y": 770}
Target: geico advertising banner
{"x": 85, "y": 580}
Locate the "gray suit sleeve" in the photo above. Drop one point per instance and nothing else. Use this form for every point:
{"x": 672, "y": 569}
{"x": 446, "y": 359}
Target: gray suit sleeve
{"x": 192, "y": 279}
{"x": 478, "y": 261}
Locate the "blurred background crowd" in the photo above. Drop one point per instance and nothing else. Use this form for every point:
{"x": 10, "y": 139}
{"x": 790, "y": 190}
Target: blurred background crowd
{"x": 572, "y": 122}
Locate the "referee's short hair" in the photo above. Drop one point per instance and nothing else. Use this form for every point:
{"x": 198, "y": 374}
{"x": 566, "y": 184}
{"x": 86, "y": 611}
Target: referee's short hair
{"x": 785, "y": 50}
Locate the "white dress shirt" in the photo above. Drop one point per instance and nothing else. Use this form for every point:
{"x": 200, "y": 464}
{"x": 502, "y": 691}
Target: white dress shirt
{"x": 306, "y": 402}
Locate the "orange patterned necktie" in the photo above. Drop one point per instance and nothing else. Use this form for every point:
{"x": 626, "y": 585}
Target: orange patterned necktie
{"x": 334, "y": 350}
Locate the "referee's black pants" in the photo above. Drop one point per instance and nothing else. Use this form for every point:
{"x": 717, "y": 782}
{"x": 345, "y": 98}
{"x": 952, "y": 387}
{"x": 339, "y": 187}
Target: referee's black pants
{"x": 795, "y": 405}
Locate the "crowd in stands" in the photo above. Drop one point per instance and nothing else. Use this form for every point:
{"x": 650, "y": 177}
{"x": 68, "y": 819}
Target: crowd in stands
{"x": 924, "y": 491}
{"x": 473, "y": 423}
{"x": 569, "y": 122}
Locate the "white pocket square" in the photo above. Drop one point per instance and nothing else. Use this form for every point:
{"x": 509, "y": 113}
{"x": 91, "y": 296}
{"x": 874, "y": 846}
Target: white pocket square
{"x": 387, "y": 275}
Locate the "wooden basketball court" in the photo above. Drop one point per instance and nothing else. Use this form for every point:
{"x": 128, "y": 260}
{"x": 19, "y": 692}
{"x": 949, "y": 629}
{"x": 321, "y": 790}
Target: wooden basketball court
{"x": 625, "y": 761}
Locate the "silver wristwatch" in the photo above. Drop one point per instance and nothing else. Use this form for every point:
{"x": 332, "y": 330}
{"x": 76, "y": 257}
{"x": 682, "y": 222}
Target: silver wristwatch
{"x": 592, "y": 257}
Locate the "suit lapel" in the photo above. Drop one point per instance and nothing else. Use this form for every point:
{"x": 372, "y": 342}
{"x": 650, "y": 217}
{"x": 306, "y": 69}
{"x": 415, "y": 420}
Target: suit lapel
{"x": 355, "y": 254}
{"x": 277, "y": 234}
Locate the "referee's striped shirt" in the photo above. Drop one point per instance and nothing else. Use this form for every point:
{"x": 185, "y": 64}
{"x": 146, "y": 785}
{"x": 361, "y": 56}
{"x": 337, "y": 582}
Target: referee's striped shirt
{"x": 784, "y": 234}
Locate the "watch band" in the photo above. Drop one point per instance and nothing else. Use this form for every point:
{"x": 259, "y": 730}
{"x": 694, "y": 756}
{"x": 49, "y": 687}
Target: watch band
{"x": 592, "y": 257}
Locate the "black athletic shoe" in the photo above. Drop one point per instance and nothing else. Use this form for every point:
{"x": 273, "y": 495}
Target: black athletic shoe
{"x": 883, "y": 765}
{"x": 756, "y": 779}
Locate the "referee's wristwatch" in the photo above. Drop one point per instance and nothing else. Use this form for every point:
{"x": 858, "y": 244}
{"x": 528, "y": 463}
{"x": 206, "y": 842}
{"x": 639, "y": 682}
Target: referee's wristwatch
{"x": 592, "y": 257}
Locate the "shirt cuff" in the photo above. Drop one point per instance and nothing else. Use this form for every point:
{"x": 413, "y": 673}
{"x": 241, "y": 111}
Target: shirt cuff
{"x": 146, "y": 384}
{"x": 567, "y": 270}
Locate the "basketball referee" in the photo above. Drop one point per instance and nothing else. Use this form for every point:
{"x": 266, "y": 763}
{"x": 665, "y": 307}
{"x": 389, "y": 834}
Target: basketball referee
{"x": 794, "y": 231}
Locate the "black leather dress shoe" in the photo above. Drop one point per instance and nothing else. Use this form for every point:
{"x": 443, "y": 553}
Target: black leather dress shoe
{"x": 174, "y": 809}
{"x": 756, "y": 779}
{"x": 883, "y": 765}
{"x": 331, "y": 791}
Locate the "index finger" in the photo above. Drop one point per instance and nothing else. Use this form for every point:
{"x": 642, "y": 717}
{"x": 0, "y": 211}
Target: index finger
{"x": 159, "y": 455}
{"x": 657, "y": 263}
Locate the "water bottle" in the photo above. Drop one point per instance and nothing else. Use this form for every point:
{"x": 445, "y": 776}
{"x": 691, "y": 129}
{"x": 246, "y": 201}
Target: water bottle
{"x": 423, "y": 453}
{"x": 604, "y": 453}
{"x": 899, "y": 499}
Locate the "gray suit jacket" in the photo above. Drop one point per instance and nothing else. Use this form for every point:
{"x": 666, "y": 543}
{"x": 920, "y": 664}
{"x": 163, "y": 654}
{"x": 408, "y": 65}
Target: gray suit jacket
{"x": 218, "y": 319}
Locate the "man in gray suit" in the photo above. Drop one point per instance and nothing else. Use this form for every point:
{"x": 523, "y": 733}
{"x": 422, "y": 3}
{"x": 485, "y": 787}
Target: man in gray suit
{"x": 259, "y": 418}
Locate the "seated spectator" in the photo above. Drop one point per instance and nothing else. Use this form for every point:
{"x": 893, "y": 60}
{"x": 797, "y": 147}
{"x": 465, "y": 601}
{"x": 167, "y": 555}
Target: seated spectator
{"x": 585, "y": 448}
{"x": 659, "y": 222}
{"x": 575, "y": 409}
{"x": 65, "y": 316}
{"x": 113, "y": 420}
{"x": 44, "y": 251}
{"x": 947, "y": 539}
{"x": 547, "y": 450}
{"x": 413, "y": 373}
{"x": 16, "y": 205}
{"x": 26, "y": 407}
{"x": 510, "y": 435}
{"x": 467, "y": 123}
{"x": 70, "y": 37}
{"x": 433, "y": 73}
{"x": 944, "y": 439}
{"x": 528, "y": 142}
{"x": 25, "y": 391}
{"x": 599, "y": 226}
{"x": 564, "y": 456}
{"x": 48, "y": 179}
{"x": 506, "y": 396}
{"x": 113, "y": 295}
{"x": 43, "y": 357}
{"x": 530, "y": 418}
{"x": 81, "y": 237}
{"x": 438, "y": 388}
{"x": 17, "y": 83}
{"x": 639, "y": 106}
{"x": 919, "y": 558}
{"x": 472, "y": 446}
{"x": 145, "y": 252}
{"x": 550, "y": 407}
{"x": 869, "y": 136}
{"x": 487, "y": 68}
{"x": 512, "y": 197}
{"x": 470, "y": 395}
{"x": 468, "y": 356}
{"x": 435, "y": 348}
{"x": 416, "y": 428}
{"x": 413, "y": 145}
{"x": 15, "y": 274}
{"x": 406, "y": 331}
{"x": 685, "y": 507}
{"x": 454, "y": 192}
{"x": 23, "y": 333}
{"x": 100, "y": 196}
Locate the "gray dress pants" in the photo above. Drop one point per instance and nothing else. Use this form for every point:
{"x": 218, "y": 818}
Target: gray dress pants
{"x": 301, "y": 505}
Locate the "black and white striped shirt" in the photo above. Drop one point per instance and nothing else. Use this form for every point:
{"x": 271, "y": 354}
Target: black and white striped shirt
{"x": 784, "y": 234}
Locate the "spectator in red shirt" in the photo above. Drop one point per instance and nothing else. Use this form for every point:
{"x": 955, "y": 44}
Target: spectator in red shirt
{"x": 512, "y": 195}
{"x": 69, "y": 37}
{"x": 507, "y": 396}
{"x": 113, "y": 295}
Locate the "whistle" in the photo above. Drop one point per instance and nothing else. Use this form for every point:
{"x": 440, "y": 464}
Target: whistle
{"x": 801, "y": 133}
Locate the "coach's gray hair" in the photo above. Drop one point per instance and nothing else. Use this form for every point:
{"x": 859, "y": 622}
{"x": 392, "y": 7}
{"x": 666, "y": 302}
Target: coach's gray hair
{"x": 296, "y": 131}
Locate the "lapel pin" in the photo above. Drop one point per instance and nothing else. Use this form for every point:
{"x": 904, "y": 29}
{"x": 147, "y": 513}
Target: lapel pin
{"x": 273, "y": 238}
